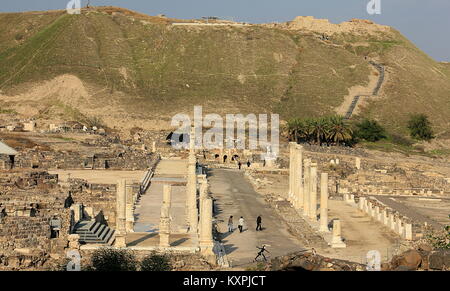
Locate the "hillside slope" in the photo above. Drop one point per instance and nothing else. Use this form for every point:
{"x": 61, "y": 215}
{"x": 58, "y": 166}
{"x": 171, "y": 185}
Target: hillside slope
{"x": 145, "y": 68}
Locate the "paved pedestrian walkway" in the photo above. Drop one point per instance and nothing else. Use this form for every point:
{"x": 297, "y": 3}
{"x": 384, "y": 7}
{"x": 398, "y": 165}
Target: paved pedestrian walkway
{"x": 148, "y": 209}
{"x": 235, "y": 196}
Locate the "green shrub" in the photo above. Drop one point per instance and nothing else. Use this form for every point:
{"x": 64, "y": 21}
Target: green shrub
{"x": 370, "y": 130}
{"x": 111, "y": 260}
{"x": 420, "y": 127}
{"x": 156, "y": 262}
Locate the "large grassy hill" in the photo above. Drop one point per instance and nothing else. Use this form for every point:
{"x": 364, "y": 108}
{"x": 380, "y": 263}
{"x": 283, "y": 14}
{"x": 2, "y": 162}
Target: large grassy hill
{"x": 145, "y": 66}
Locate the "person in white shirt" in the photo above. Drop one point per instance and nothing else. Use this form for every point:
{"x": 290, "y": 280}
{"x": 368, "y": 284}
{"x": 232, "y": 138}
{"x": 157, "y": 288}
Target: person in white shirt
{"x": 241, "y": 224}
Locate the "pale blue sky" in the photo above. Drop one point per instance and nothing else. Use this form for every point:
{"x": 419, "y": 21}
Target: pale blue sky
{"x": 426, "y": 23}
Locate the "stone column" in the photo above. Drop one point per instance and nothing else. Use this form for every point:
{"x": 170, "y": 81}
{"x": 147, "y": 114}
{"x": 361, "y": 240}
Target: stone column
{"x": 399, "y": 226}
{"x": 191, "y": 188}
{"x": 203, "y": 182}
{"x": 336, "y": 241}
{"x": 129, "y": 224}
{"x": 164, "y": 223}
{"x": 369, "y": 209}
{"x": 121, "y": 202}
{"x": 298, "y": 191}
{"x": 203, "y": 187}
{"x": 358, "y": 163}
{"x": 385, "y": 217}
{"x": 206, "y": 239}
{"x": 77, "y": 212}
{"x": 366, "y": 206}
{"x": 361, "y": 203}
{"x": 324, "y": 202}
{"x": 313, "y": 193}
{"x": 378, "y": 213}
{"x": 392, "y": 221}
{"x": 291, "y": 170}
{"x": 307, "y": 187}
{"x": 407, "y": 234}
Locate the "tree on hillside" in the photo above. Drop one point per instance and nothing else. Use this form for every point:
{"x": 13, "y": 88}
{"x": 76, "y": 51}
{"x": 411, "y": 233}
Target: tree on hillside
{"x": 370, "y": 130}
{"x": 420, "y": 127}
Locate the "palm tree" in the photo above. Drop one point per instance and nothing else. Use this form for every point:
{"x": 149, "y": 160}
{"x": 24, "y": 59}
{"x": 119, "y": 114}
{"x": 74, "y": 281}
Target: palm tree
{"x": 292, "y": 129}
{"x": 318, "y": 129}
{"x": 339, "y": 130}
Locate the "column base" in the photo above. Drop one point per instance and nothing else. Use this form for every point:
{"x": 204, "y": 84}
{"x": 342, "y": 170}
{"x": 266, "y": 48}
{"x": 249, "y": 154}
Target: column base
{"x": 120, "y": 241}
{"x": 130, "y": 226}
{"x": 337, "y": 243}
{"x": 324, "y": 228}
{"x": 164, "y": 240}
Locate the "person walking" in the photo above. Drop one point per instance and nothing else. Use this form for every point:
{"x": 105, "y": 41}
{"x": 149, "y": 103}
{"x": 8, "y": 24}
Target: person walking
{"x": 240, "y": 165}
{"x": 241, "y": 224}
{"x": 258, "y": 223}
{"x": 230, "y": 224}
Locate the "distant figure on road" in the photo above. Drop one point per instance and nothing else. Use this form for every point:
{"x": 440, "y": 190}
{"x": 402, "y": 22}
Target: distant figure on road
{"x": 230, "y": 224}
{"x": 258, "y": 223}
{"x": 248, "y": 164}
{"x": 240, "y": 165}
{"x": 241, "y": 224}
{"x": 261, "y": 253}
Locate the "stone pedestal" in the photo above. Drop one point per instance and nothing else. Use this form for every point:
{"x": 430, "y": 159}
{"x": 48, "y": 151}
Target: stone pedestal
{"x": 164, "y": 223}
{"x": 324, "y": 203}
{"x": 336, "y": 241}
{"x": 313, "y": 193}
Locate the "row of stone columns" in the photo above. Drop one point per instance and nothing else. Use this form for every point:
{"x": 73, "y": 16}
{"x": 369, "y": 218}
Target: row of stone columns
{"x": 199, "y": 225}
{"x": 303, "y": 186}
{"x": 386, "y": 216}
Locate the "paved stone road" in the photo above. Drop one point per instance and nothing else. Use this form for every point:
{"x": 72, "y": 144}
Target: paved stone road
{"x": 235, "y": 196}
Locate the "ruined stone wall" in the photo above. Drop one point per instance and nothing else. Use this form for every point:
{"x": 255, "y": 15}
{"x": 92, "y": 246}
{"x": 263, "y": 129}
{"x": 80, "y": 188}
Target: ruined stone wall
{"x": 24, "y": 232}
{"x": 133, "y": 160}
{"x": 98, "y": 200}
